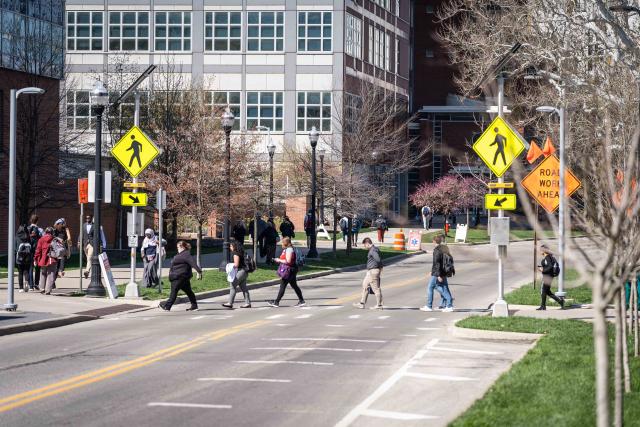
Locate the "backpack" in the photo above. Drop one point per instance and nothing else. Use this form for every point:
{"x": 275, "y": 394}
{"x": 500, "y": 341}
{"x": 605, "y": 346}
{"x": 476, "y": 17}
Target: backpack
{"x": 299, "y": 258}
{"x": 448, "y": 267}
{"x": 555, "y": 267}
{"x": 57, "y": 249}
{"x": 23, "y": 255}
{"x": 250, "y": 263}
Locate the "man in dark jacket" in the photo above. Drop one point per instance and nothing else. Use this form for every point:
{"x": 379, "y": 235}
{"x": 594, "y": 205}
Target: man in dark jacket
{"x": 239, "y": 231}
{"x": 372, "y": 278}
{"x": 438, "y": 278}
{"x": 309, "y": 226}
{"x": 547, "y": 269}
{"x": 270, "y": 242}
{"x": 287, "y": 229}
{"x": 180, "y": 276}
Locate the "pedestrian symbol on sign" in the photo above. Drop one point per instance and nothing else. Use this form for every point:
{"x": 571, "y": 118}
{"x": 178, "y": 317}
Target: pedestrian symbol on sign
{"x": 137, "y": 148}
{"x": 500, "y": 142}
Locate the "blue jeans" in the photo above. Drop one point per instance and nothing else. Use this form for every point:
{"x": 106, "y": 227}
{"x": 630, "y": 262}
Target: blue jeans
{"x": 442, "y": 288}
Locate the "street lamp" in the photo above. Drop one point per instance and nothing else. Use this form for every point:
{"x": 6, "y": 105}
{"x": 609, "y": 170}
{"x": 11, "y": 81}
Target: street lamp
{"x": 227, "y": 124}
{"x": 11, "y": 305}
{"x": 313, "y": 139}
{"x": 561, "y": 210}
{"x": 272, "y": 151}
{"x": 99, "y": 100}
{"x": 321, "y": 153}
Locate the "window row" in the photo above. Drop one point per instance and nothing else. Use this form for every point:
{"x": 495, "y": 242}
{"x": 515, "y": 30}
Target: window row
{"x": 130, "y": 31}
{"x": 264, "y": 108}
{"x": 380, "y": 43}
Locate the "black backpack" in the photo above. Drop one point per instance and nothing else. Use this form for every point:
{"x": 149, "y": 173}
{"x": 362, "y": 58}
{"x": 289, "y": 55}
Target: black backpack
{"x": 23, "y": 255}
{"x": 249, "y": 263}
{"x": 555, "y": 267}
{"x": 448, "y": 267}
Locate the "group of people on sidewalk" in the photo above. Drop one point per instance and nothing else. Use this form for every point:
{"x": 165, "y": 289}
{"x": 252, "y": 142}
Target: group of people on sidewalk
{"x": 40, "y": 254}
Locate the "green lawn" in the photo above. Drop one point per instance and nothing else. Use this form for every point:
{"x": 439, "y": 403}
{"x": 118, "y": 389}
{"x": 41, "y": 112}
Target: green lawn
{"x": 213, "y": 280}
{"x": 526, "y": 295}
{"x": 553, "y": 385}
{"x": 479, "y": 235}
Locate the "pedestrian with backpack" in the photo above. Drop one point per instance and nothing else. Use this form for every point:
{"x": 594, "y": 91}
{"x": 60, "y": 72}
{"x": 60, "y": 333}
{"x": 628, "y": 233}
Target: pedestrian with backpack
{"x": 180, "y": 276}
{"x": 427, "y": 215}
{"x": 382, "y": 227}
{"x": 271, "y": 239}
{"x": 61, "y": 232}
{"x": 356, "y": 225}
{"x": 287, "y": 229}
{"x": 240, "y": 272}
{"x": 46, "y": 257}
{"x": 288, "y": 265}
{"x": 550, "y": 269}
{"x": 23, "y": 257}
{"x": 372, "y": 279}
{"x": 344, "y": 227}
{"x": 309, "y": 226}
{"x": 441, "y": 268}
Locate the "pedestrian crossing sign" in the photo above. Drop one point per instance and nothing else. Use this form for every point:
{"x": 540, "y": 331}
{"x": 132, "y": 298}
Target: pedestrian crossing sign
{"x": 498, "y": 146}
{"x": 135, "y": 151}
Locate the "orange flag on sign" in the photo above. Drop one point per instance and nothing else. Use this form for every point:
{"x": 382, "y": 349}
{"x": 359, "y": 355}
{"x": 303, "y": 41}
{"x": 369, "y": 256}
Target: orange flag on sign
{"x": 548, "y": 149}
{"x": 534, "y": 152}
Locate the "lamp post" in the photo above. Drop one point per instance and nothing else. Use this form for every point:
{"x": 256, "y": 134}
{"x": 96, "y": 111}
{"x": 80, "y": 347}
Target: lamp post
{"x": 561, "y": 210}
{"x": 313, "y": 139}
{"x": 227, "y": 124}
{"x": 321, "y": 153}
{"x": 99, "y": 101}
{"x": 272, "y": 151}
{"x": 11, "y": 305}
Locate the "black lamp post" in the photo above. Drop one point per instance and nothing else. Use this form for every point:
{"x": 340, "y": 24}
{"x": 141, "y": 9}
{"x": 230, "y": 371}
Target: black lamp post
{"x": 227, "y": 124}
{"x": 272, "y": 151}
{"x": 99, "y": 101}
{"x": 321, "y": 153}
{"x": 313, "y": 139}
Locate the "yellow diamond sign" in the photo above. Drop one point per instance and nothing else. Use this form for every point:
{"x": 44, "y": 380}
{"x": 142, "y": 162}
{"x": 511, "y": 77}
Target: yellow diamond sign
{"x": 135, "y": 151}
{"x": 498, "y": 146}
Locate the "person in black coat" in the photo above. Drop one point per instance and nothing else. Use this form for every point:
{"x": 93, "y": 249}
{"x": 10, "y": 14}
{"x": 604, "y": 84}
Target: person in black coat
{"x": 270, "y": 242}
{"x": 287, "y": 229}
{"x": 239, "y": 232}
{"x": 180, "y": 276}
{"x": 546, "y": 267}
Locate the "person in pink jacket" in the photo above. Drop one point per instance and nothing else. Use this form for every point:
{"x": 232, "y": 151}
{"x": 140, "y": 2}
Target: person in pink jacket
{"x": 48, "y": 265}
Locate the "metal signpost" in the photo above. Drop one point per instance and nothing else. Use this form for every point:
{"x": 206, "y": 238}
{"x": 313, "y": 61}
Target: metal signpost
{"x": 161, "y": 205}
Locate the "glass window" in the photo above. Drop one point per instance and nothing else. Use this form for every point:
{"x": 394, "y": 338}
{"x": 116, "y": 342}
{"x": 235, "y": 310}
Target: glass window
{"x": 354, "y": 37}
{"x": 265, "y": 109}
{"x": 79, "y": 110}
{"x": 223, "y": 31}
{"x": 314, "y": 109}
{"x": 314, "y": 31}
{"x": 84, "y": 31}
{"x": 219, "y": 101}
{"x": 128, "y": 30}
{"x": 173, "y": 31}
{"x": 265, "y": 31}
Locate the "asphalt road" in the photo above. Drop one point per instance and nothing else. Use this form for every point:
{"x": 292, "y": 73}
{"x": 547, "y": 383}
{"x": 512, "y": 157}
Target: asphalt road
{"x": 328, "y": 364}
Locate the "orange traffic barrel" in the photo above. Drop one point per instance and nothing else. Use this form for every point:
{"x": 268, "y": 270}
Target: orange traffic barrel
{"x": 398, "y": 241}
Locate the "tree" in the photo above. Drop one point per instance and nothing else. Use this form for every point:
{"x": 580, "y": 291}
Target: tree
{"x": 590, "y": 58}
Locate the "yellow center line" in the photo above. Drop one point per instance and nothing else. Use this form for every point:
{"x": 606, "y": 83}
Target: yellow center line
{"x": 22, "y": 399}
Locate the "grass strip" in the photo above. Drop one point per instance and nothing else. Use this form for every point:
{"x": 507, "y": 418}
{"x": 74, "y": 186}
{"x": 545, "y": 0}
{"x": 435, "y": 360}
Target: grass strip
{"x": 552, "y": 385}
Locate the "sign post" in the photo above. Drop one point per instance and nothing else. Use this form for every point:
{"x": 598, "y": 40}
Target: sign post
{"x": 161, "y": 204}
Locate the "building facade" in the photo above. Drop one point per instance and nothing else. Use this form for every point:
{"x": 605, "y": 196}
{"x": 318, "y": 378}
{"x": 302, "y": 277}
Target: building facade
{"x": 286, "y": 65}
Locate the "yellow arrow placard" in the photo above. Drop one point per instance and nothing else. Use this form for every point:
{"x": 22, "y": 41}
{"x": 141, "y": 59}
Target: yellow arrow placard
{"x": 133, "y": 199}
{"x": 135, "y": 151}
{"x": 496, "y": 202}
{"x": 495, "y": 185}
{"x": 498, "y": 146}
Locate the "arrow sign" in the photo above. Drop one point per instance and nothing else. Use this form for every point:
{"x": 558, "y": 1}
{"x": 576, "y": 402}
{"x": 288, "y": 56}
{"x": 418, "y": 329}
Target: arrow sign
{"x": 505, "y": 202}
{"x": 133, "y": 199}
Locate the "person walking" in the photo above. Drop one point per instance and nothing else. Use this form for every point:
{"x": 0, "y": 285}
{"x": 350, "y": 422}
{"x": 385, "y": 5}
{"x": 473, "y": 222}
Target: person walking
{"x": 48, "y": 264}
{"x": 371, "y": 282}
{"x": 35, "y": 233}
{"x": 271, "y": 238}
{"x": 441, "y": 268}
{"x": 550, "y": 269}
{"x": 24, "y": 257}
{"x": 344, "y": 227}
{"x": 287, "y": 229}
{"x": 381, "y": 226}
{"x": 309, "y": 226}
{"x": 61, "y": 231}
{"x": 240, "y": 275}
{"x": 180, "y": 276}
{"x": 149, "y": 251}
{"x": 86, "y": 244}
{"x": 287, "y": 271}
{"x": 239, "y": 231}
{"x": 427, "y": 216}
{"x": 356, "y": 225}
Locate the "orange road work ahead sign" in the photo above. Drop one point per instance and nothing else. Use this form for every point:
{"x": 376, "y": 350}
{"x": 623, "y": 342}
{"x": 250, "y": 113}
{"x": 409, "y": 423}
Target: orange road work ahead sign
{"x": 543, "y": 183}
{"x": 83, "y": 191}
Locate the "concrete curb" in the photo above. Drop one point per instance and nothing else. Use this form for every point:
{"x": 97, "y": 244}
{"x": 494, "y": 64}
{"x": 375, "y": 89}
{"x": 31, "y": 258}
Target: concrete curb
{"x": 225, "y": 291}
{"x": 44, "y": 324}
{"x": 482, "y": 334}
